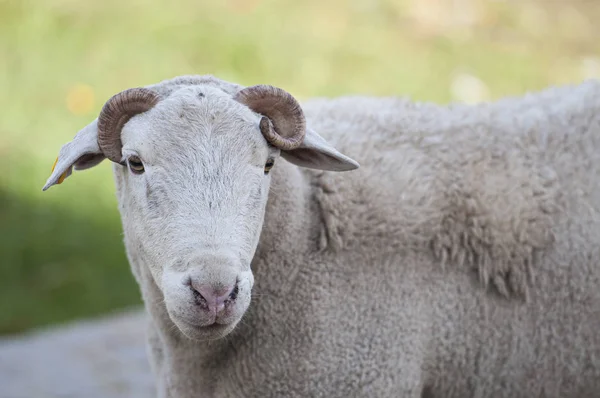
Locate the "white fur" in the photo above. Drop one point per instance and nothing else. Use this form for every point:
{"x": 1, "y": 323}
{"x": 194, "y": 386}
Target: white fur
{"x": 459, "y": 260}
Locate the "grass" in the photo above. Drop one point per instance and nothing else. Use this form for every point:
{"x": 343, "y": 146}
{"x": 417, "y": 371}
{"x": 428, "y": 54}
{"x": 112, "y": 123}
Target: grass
{"x": 62, "y": 252}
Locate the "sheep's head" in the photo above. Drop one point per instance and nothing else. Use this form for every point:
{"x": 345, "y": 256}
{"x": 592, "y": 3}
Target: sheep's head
{"x": 192, "y": 167}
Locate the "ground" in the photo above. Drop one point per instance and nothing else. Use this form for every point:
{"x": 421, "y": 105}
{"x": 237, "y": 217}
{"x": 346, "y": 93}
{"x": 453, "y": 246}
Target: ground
{"x": 104, "y": 358}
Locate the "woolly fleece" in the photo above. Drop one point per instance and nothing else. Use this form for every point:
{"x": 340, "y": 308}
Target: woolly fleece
{"x": 459, "y": 260}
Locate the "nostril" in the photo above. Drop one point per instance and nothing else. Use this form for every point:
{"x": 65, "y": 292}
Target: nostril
{"x": 213, "y": 298}
{"x": 198, "y": 298}
{"x": 234, "y": 292}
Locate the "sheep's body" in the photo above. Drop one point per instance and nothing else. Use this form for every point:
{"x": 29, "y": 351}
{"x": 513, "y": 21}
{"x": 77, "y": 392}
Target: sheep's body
{"x": 460, "y": 260}
{"x": 365, "y": 306}
{"x": 446, "y": 199}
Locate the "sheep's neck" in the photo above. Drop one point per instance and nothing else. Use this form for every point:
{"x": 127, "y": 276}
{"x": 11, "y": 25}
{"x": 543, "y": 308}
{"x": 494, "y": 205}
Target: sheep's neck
{"x": 288, "y": 223}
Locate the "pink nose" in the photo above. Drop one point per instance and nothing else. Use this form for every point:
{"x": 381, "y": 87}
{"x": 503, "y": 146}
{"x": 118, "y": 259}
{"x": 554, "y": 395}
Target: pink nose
{"x": 213, "y": 299}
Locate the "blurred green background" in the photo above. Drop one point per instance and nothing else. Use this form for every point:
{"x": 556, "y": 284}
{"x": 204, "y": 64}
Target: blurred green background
{"x": 62, "y": 255}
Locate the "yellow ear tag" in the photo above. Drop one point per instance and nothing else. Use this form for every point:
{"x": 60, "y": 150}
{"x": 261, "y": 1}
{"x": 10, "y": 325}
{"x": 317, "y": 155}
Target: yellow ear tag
{"x": 62, "y": 176}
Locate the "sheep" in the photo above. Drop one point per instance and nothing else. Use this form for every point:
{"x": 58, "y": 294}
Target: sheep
{"x": 459, "y": 260}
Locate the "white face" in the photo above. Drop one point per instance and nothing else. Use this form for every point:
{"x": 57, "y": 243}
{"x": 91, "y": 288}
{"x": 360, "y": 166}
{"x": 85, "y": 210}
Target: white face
{"x": 193, "y": 195}
{"x": 193, "y": 198}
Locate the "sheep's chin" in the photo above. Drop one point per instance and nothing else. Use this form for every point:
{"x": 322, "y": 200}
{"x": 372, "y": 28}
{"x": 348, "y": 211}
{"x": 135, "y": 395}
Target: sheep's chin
{"x": 204, "y": 333}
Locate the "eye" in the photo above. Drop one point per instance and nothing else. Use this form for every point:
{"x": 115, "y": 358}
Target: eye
{"x": 269, "y": 165}
{"x": 135, "y": 165}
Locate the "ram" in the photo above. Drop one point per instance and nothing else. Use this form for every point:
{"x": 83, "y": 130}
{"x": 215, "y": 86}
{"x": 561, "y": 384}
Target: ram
{"x": 461, "y": 259}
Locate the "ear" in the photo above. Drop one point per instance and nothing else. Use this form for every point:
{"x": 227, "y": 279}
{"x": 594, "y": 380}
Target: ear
{"x": 316, "y": 153}
{"x": 81, "y": 153}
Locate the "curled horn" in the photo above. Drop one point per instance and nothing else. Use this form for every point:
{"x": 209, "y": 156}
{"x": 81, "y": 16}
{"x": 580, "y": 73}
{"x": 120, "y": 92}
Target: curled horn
{"x": 116, "y": 112}
{"x": 283, "y": 124}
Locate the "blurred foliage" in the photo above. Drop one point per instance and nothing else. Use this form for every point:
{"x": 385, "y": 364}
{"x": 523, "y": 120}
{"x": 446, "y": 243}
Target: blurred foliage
{"x": 62, "y": 251}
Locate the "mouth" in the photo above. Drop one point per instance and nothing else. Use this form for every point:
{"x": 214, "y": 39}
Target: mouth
{"x": 212, "y": 331}
{"x": 213, "y": 327}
